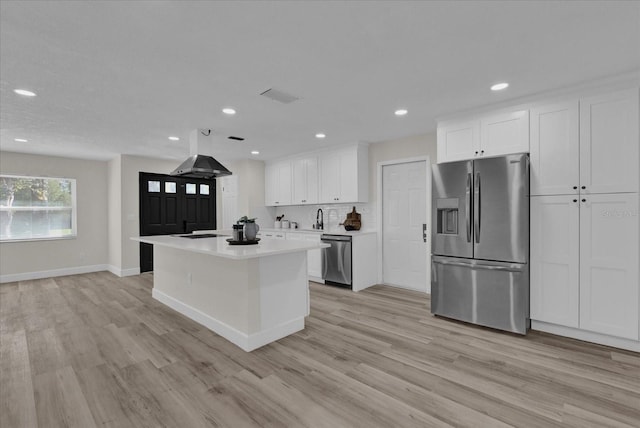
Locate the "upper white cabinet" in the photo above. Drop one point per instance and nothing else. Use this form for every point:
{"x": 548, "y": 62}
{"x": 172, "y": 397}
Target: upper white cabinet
{"x": 277, "y": 183}
{"x": 458, "y": 141}
{"x": 609, "y": 142}
{"x": 344, "y": 176}
{"x": 305, "y": 181}
{"x": 325, "y": 177}
{"x": 554, "y": 149}
{"x": 587, "y": 146}
{"x": 488, "y": 135}
{"x": 504, "y": 133}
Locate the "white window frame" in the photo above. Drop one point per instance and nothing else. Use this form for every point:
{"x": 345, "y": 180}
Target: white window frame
{"x": 74, "y": 219}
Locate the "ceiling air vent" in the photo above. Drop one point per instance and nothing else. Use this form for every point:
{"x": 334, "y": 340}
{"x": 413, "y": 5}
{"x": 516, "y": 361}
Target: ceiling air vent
{"x": 235, "y": 138}
{"x": 281, "y": 97}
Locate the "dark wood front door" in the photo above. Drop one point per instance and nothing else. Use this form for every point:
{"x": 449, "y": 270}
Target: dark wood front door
{"x": 171, "y": 205}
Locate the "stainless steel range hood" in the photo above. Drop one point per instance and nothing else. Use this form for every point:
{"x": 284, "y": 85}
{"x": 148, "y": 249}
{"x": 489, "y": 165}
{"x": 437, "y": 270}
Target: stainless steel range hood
{"x": 200, "y": 165}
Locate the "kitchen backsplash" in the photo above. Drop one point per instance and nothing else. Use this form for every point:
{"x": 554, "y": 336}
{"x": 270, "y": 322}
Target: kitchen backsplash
{"x": 305, "y": 215}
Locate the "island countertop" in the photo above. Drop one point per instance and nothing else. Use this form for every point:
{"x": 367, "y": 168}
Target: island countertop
{"x": 219, "y": 246}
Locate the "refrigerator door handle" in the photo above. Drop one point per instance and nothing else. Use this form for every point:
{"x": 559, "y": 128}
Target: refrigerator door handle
{"x": 478, "y": 266}
{"x": 468, "y": 206}
{"x": 476, "y": 208}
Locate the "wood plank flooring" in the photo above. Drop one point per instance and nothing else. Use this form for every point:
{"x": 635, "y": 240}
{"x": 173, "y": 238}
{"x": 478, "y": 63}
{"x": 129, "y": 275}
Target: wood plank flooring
{"x": 96, "y": 350}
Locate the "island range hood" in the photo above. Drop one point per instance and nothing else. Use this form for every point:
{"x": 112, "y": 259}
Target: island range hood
{"x": 200, "y": 165}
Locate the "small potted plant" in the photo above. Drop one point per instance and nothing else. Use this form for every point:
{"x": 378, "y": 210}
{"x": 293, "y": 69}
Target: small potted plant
{"x": 251, "y": 228}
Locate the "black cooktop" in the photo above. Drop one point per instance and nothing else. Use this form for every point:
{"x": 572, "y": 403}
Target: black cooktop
{"x": 201, "y": 235}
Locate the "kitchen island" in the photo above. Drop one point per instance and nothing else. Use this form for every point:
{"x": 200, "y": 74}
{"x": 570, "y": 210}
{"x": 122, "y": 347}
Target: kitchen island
{"x": 251, "y": 295}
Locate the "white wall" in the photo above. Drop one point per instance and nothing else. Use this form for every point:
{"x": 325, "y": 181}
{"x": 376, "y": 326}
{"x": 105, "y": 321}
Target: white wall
{"x": 250, "y": 200}
{"x": 89, "y": 250}
{"x": 114, "y": 183}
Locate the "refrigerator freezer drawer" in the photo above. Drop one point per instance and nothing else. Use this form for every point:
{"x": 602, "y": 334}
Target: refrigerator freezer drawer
{"x": 492, "y": 294}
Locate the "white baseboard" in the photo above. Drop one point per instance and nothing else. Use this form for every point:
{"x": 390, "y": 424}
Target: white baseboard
{"x": 123, "y": 272}
{"x": 248, "y": 342}
{"x": 51, "y": 273}
{"x": 587, "y": 336}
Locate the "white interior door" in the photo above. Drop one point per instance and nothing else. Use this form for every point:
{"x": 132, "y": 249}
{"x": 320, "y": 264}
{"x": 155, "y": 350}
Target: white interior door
{"x": 405, "y": 255}
{"x": 229, "y": 189}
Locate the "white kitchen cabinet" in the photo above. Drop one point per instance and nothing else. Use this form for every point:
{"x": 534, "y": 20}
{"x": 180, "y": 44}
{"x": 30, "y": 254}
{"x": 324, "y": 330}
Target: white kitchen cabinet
{"x": 278, "y": 183}
{"x": 584, "y": 262}
{"x": 555, "y": 149}
{"x": 484, "y": 136}
{"x": 609, "y": 254}
{"x": 344, "y": 175}
{"x": 555, "y": 255}
{"x": 305, "y": 181}
{"x": 458, "y": 141}
{"x": 272, "y": 235}
{"x": 596, "y": 152}
{"x": 505, "y": 133}
{"x": 609, "y": 135}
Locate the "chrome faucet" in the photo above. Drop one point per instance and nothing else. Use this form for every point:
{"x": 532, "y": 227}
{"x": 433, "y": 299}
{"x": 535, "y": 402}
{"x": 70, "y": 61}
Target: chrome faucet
{"x": 319, "y": 219}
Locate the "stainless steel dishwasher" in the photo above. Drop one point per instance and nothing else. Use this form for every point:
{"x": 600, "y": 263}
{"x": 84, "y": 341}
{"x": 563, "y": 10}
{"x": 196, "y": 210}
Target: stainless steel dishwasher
{"x": 336, "y": 260}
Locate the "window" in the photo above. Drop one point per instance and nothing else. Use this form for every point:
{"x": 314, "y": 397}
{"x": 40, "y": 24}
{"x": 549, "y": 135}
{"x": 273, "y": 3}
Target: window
{"x": 204, "y": 189}
{"x": 191, "y": 189}
{"x": 37, "y": 208}
{"x": 170, "y": 187}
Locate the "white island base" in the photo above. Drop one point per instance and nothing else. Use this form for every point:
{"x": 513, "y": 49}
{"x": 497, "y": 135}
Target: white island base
{"x": 250, "y": 302}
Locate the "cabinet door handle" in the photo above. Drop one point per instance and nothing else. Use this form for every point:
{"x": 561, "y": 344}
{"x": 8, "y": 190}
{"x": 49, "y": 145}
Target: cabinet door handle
{"x": 575, "y": 200}
{"x": 584, "y": 200}
{"x": 575, "y": 187}
{"x": 584, "y": 187}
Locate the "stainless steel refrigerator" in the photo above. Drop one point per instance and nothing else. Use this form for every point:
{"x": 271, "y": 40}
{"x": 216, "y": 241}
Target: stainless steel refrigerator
{"x": 480, "y": 242}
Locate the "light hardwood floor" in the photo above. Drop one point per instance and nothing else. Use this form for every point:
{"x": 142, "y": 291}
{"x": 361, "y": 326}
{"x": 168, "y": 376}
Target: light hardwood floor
{"x": 97, "y": 350}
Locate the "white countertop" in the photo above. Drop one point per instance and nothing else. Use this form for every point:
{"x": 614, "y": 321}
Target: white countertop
{"x": 219, "y": 246}
{"x": 340, "y": 231}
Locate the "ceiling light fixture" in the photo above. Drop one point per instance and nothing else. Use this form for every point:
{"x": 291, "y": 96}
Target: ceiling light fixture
{"x": 24, "y": 92}
{"x": 255, "y": 152}
{"x": 401, "y": 112}
{"x": 500, "y": 86}
{"x": 20, "y": 140}
{"x": 320, "y": 135}
{"x": 228, "y": 110}
{"x": 174, "y": 138}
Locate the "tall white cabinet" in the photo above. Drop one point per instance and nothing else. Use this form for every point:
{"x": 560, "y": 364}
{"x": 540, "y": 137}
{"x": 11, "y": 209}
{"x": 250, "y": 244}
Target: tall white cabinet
{"x": 585, "y": 242}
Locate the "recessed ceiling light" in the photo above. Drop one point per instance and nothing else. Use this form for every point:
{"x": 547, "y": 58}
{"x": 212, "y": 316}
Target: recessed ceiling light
{"x": 174, "y": 138}
{"x": 320, "y": 135}
{"x": 499, "y": 86}
{"x": 20, "y": 140}
{"x": 228, "y": 110}
{"x": 255, "y": 152}
{"x": 24, "y": 92}
{"x": 401, "y": 112}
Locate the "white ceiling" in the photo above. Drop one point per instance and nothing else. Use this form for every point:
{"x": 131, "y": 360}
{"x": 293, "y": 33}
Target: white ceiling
{"x": 120, "y": 77}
